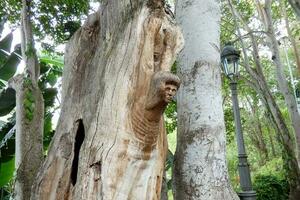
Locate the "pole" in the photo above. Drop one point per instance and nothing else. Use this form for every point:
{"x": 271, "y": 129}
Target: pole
{"x": 243, "y": 166}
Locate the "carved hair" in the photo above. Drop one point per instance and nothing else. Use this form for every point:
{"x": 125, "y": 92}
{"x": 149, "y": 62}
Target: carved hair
{"x": 157, "y": 85}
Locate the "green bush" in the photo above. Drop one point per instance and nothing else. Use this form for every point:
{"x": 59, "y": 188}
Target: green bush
{"x": 270, "y": 187}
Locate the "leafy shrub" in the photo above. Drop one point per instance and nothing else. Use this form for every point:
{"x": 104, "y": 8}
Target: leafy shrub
{"x": 273, "y": 167}
{"x": 270, "y": 187}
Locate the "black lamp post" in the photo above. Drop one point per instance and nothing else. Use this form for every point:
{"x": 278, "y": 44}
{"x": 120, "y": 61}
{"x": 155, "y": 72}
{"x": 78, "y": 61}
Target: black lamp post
{"x": 229, "y": 58}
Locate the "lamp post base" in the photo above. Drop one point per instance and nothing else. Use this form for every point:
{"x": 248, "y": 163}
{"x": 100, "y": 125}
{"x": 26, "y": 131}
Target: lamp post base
{"x": 247, "y": 195}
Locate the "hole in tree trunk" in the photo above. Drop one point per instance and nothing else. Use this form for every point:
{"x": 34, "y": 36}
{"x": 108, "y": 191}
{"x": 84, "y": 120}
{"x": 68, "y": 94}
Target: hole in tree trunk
{"x": 78, "y": 142}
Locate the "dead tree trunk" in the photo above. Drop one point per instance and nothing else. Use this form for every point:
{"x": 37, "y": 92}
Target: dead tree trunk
{"x": 110, "y": 142}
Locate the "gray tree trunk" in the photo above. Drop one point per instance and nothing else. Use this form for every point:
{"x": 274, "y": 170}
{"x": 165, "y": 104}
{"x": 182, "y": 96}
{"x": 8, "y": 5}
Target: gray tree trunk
{"x": 200, "y": 170}
{"x": 110, "y": 142}
{"x": 29, "y": 113}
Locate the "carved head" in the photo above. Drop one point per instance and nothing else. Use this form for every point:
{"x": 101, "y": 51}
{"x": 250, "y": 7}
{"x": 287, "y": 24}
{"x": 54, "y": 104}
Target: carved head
{"x": 169, "y": 92}
{"x": 163, "y": 87}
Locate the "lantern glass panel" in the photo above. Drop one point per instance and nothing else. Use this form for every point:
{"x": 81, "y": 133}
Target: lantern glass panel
{"x": 230, "y": 67}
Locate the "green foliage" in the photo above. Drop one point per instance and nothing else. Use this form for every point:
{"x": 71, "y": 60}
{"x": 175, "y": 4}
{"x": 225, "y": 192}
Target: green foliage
{"x": 7, "y": 101}
{"x": 6, "y": 127}
{"x": 29, "y": 104}
{"x": 7, "y": 152}
{"x": 9, "y": 68}
{"x": 49, "y": 95}
{"x": 273, "y": 167}
{"x": 227, "y": 24}
{"x": 246, "y": 8}
{"x": 7, "y": 168}
{"x": 229, "y": 124}
{"x": 170, "y": 159}
{"x": 8, "y": 61}
{"x": 5, "y": 43}
{"x": 270, "y": 187}
{"x": 6, "y": 192}
{"x": 171, "y": 117}
{"x": 232, "y": 164}
{"x": 56, "y": 18}
{"x": 54, "y": 60}
{"x": 48, "y": 131}
{"x": 59, "y": 18}
{"x": 10, "y": 10}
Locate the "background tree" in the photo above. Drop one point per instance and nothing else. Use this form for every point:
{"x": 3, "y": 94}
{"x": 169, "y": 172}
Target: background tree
{"x": 29, "y": 113}
{"x": 10, "y": 14}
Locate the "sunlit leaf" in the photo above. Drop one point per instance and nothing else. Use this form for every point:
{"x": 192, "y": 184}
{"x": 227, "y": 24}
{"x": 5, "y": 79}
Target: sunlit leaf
{"x": 54, "y": 61}
{"x": 49, "y": 96}
{"x": 6, "y": 170}
{"x": 10, "y": 67}
{"x": 5, "y": 43}
{"x": 3, "y": 57}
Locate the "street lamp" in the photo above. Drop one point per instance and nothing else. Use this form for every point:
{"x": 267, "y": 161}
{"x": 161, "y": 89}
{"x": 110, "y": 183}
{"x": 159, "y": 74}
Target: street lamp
{"x": 297, "y": 94}
{"x": 229, "y": 58}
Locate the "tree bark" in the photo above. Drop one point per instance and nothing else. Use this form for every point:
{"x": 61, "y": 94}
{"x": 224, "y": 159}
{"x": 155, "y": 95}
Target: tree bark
{"x": 200, "y": 170}
{"x": 29, "y": 113}
{"x": 110, "y": 142}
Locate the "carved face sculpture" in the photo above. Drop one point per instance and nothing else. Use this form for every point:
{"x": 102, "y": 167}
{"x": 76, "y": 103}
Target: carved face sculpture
{"x": 169, "y": 93}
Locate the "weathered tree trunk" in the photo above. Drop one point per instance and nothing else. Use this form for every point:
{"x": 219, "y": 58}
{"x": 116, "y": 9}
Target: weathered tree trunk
{"x": 29, "y": 114}
{"x": 200, "y": 170}
{"x": 110, "y": 142}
